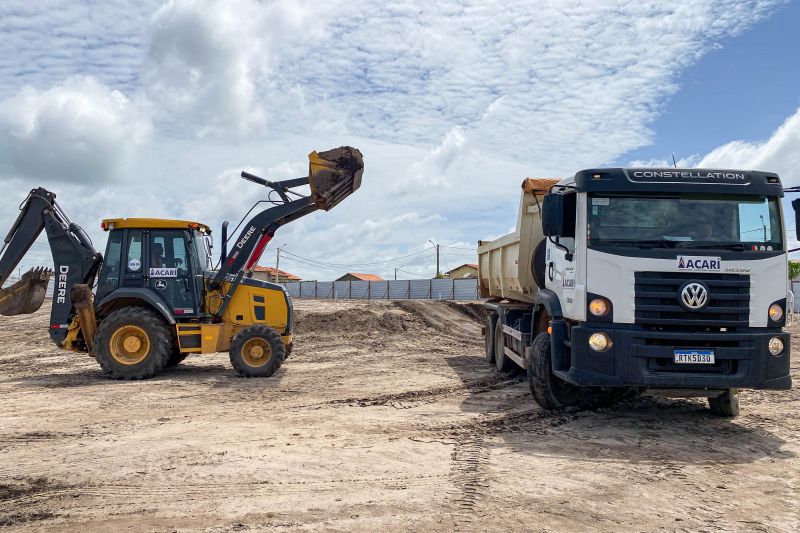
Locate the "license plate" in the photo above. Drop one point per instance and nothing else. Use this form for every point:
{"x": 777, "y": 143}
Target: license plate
{"x": 694, "y": 357}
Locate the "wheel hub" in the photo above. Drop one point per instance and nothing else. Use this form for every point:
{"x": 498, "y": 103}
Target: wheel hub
{"x": 129, "y": 345}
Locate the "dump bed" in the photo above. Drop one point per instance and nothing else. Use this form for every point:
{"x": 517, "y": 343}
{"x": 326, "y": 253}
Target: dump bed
{"x": 505, "y": 264}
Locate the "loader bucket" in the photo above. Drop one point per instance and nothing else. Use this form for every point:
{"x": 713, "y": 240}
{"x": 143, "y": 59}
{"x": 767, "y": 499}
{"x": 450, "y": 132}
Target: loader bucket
{"x": 26, "y": 295}
{"x": 334, "y": 175}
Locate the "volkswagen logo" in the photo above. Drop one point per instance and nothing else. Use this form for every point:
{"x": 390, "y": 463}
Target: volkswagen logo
{"x": 694, "y": 295}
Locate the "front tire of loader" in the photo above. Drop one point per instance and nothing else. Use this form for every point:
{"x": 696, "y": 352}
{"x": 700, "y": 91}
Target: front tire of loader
{"x": 548, "y": 391}
{"x": 132, "y": 343}
{"x": 257, "y": 352}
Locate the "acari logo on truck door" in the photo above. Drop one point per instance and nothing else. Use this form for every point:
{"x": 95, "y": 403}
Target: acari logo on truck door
{"x": 699, "y": 263}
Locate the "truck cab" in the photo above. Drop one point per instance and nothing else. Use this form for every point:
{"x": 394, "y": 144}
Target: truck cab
{"x": 671, "y": 280}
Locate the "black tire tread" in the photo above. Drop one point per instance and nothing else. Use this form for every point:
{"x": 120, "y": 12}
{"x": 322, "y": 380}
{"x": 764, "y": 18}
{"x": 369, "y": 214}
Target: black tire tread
{"x": 541, "y": 379}
{"x": 726, "y": 404}
{"x": 489, "y": 339}
{"x": 161, "y": 340}
{"x": 276, "y": 343}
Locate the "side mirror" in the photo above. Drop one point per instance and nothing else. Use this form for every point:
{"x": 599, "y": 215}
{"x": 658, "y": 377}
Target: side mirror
{"x": 553, "y": 215}
{"x": 558, "y": 214}
{"x": 796, "y": 207}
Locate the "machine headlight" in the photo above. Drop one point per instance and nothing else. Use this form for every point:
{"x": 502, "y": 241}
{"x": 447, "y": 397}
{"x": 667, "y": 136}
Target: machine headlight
{"x": 599, "y": 342}
{"x": 775, "y": 312}
{"x": 599, "y": 307}
{"x": 775, "y": 346}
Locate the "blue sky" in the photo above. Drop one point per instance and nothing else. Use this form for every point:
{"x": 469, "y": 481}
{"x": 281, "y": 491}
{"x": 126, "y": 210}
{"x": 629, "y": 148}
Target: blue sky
{"x": 152, "y": 108}
{"x": 743, "y": 89}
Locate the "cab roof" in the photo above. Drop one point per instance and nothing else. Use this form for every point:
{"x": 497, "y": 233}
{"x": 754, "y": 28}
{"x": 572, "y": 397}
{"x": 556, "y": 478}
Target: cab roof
{"x": 152, "y": 223}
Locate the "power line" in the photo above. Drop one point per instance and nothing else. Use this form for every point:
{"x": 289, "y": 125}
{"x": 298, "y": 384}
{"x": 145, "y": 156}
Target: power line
{"x": 357, "y": 264}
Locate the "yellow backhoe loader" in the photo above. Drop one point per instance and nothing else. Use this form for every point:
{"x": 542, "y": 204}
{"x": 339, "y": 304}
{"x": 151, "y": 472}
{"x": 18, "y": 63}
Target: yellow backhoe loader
{"x": 153, "y": 298}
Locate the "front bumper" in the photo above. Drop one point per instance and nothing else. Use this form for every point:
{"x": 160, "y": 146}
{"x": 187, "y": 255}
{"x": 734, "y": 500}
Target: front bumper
{"x": 644, "y": 358}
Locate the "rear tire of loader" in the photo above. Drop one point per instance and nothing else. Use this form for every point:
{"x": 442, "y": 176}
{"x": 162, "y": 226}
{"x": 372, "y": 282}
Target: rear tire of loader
{"x": 726, "y": 404}
{"x": 257, "y": 352}
{"x": 548, "y": 391}
{"x": 503, "y": 363}
{"x": 132, "y": 343}
{"x": 488, "y": 338}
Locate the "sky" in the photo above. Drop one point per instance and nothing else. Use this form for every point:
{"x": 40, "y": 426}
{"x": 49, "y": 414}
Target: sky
{"x": 153, "y": 108}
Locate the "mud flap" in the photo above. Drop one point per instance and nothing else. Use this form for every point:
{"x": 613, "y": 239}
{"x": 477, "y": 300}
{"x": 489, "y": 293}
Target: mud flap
{"x": 27, "y": 295}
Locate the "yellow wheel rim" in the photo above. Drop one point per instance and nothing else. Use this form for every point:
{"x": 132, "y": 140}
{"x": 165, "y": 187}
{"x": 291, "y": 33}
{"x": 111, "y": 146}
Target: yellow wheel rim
{"x": 129, "y": 345}
{"x": 256, "y": 352}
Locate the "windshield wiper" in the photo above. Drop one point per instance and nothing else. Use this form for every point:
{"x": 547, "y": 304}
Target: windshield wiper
{"x": 735, "y": 246}
{"x": 635, "y": 242}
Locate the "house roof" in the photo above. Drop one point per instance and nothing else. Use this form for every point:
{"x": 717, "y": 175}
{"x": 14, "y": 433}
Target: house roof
{"x": 365, "y": 277}
{"x": 281, "y": 273}
{"x": 464, "y": 265}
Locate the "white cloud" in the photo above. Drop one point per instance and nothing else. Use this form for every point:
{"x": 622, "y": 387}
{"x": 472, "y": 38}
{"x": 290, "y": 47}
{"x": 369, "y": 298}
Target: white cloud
{"x": 79, "y": 131}
{"x": 780, "y": 153}
{"x": 210, "y": 63}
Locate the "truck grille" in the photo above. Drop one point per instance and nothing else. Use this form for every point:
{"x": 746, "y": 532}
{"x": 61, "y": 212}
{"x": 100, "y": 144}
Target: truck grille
{"x": 657, "y": 299}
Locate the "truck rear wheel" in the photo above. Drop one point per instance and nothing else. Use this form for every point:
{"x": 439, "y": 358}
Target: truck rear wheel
{"x": 548, "y": 391}
{"x": 503, "y": 363}
{"x": 132, "y": 343}
{"x": 488, "y": 338}
{"x": 726, "y": 404}
{"x": 257, "y": 352}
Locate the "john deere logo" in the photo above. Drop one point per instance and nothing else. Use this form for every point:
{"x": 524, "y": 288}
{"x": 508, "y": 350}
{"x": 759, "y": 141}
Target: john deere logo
{"x": 694, "y": 296}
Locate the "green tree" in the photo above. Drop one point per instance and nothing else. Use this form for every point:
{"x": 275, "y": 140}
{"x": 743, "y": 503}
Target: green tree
{"x": 794, "y": 269}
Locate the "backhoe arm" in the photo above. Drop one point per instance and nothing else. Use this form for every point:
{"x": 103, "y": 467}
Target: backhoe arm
{"x": 74, "y": 257}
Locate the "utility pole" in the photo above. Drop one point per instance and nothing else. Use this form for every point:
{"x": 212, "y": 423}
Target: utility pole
{"x": 764, "y": 227}
{"x": 436, "y": 245}
{"x": 395, "y": 273}
{"x": 278, "y": 261}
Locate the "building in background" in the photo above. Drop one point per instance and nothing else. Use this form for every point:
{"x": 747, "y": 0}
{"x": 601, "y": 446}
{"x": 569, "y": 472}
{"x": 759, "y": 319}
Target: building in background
{"x": 467, "y": 270}
{"x": 357, "y": 276}
{"x": 268, "y": 274}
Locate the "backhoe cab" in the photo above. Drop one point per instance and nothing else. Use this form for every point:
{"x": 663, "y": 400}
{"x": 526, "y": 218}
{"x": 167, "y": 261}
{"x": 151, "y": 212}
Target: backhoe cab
{"x": 156, "y": 298}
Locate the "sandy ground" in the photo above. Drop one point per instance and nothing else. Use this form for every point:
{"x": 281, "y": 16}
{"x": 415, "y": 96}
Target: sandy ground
{"x": 385, "y": 418}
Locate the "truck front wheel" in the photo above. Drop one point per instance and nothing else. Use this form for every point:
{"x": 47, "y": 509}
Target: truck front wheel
{"x": 726, "y": 404}
{"x": 257, "y": 352}
{"x": 548, "y": 391}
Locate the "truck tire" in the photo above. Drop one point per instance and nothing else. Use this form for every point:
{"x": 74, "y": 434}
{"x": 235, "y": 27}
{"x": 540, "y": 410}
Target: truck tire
{"x": 257, "y": 352}
{"x": 503, "y": 363}
{"x": 488, "y": 339}
{"x": 133, "y": 343}
{"x": 726, "y": 404}
{"x": 548, "y": 391}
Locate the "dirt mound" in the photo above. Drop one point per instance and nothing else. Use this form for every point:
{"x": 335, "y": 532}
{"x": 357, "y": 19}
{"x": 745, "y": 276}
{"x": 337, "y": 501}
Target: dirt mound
{"x": 355, "y": 321}
{"x": 474, "y": 310}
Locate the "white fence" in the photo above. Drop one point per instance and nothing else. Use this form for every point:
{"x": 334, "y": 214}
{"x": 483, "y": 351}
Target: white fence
{"x": 413, "y": 289}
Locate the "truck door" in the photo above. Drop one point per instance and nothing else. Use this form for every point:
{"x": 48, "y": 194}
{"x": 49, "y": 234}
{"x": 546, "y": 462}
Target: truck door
{"x": 169, "y": 271}
{"x": 561, "y": 263}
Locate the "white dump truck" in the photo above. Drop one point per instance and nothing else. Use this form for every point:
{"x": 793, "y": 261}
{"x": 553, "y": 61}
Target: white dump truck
{"x": 669, "y": 280}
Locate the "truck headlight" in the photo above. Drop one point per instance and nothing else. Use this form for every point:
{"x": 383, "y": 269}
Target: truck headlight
{"x": 599, "y": 307}
{"x": 775, "y": 346}
{"x": 775, "y": 312}
{"x": 600, "y": 342}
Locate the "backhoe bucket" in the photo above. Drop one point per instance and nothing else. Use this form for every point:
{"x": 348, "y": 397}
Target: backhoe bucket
{"x": 334, "y": 175}
{"x": 27, "y": 295}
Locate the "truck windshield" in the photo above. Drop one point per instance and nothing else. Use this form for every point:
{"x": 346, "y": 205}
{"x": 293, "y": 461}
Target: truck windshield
{"x": 686, "y": 221}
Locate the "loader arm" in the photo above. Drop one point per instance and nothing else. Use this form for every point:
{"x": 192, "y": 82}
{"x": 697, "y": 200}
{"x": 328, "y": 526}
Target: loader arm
{"x": 333, "y": 176}
{"x": 74, "y": 257}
